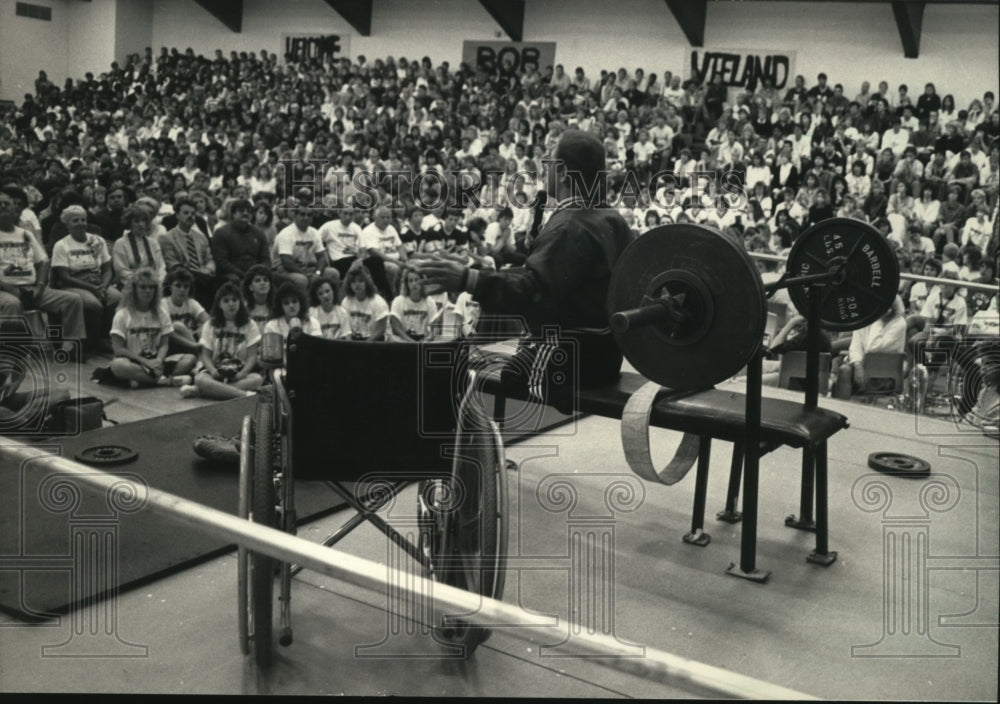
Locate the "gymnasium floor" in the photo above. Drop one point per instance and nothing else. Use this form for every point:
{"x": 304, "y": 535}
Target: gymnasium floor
{"x": 875, "y": 625}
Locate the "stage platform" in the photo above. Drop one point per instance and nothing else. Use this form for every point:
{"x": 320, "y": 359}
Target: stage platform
{"x": 909, "y": 611}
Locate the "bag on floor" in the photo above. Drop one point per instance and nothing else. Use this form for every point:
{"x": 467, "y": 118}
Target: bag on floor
{"x": 76, "y": 415}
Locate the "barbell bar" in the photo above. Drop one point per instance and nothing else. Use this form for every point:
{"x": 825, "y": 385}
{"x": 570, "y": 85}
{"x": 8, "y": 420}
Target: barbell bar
{"x": 656, "y": 665}
{"x": 905, "y": 275}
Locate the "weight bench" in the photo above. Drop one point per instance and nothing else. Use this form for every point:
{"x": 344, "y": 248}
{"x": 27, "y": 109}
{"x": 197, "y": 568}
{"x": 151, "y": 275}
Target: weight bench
{"x": 722, "y": 415}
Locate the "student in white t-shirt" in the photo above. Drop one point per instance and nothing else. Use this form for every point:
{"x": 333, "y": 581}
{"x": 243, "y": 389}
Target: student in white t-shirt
{"x": 290, "y": 310}
{"x": 300, "y": 251}
{"x": 140, "y": 335}
{"x": 412, "y": 312}
{"x": 334, "y": 322}
{"x": 342, "y": 238}
{"x": 229, "y": 344}
{"x": 186, "y": 314}
{"x": 258, "y": 290}
{"x": 367, "y": 309}
{"x": 382, "y": 250}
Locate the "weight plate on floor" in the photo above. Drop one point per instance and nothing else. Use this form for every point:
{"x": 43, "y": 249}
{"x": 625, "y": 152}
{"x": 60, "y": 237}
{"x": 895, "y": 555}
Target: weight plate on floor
{"x": 105, "y": 455}
{"x": 895, "y": 463}
{"x": 723, "y": 297}
{"x": 868, "y": 277}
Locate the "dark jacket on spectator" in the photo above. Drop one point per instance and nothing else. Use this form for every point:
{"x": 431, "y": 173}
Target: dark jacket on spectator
{"x": 234, "y": 252}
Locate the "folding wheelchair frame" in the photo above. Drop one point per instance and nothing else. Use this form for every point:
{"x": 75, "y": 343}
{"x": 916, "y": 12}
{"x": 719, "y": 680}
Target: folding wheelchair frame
{"x": 312, "y": 427}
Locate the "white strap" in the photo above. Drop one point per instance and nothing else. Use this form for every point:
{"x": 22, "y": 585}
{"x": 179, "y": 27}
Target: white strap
{"x": 635, "y": 440}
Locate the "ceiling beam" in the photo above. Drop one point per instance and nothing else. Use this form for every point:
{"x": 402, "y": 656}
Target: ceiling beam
{"x": 228, "y": 12}
{"x": 509, "y": 14}
{"x": 909, "y": 19}
{"x": 690, "y": 15}
{"x": 358, "y": 14}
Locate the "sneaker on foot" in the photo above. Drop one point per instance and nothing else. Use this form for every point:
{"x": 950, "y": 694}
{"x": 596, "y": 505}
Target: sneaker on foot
{"x": 189, "y": 391}
{"x": 179, "y": 380}
{"x": 217, "y": 448}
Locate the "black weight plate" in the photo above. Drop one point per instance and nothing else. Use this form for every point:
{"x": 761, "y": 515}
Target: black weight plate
{"x": 733, "y": 318}
{"x": 895, "y": 463}
{"x": 870, "y": 275}
{"x": 106, "y": 455}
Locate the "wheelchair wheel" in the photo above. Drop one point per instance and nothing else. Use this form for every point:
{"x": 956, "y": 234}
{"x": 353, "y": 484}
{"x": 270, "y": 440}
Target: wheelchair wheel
{"x": 261, "y": 567}
{"x": 969, "y": 377}
{"x": 464, "y": 533}
{"x": 242, "y": 554}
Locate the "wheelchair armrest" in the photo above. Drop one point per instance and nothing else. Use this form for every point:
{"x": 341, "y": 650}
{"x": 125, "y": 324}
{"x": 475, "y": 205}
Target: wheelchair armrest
{"x": 280, "y": 392}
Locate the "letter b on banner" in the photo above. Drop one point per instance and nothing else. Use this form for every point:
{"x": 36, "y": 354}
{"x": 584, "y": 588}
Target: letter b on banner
{"x": 515, "y": 56}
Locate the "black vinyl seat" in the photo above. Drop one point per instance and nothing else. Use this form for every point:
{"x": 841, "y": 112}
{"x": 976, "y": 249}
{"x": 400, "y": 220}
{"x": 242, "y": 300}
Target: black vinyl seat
{"x": 368, "y": 407}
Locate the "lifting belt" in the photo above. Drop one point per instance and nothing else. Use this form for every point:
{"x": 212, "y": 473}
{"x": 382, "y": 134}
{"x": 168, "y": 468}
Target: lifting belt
{"x": 635, "y": 438}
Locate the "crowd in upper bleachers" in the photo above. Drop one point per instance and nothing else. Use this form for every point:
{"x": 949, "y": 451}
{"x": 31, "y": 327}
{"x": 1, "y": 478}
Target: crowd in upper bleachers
{"x": 276, "y": 177}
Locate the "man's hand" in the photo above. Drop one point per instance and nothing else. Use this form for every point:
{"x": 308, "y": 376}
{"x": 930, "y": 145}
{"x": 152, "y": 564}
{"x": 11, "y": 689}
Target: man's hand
{"x": 442, "y": 274}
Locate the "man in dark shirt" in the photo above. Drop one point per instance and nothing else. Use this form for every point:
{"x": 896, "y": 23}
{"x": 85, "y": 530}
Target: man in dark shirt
{"x": 796, "y": 93}
{"x": 821, "y": 91}
{"x": 109, "y": 218}
{"x": 565, "y": 280}
{"x": 238, "y": 245}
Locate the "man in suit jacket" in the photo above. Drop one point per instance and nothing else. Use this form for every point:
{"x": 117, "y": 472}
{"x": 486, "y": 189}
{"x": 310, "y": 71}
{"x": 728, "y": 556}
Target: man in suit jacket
{"x": 188, "y": 247}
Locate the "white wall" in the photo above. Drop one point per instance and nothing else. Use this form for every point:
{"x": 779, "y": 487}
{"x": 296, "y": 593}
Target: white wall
{"x": 408, "y": 28}
{"x": 28, "y": 46}
{"x": 133, "y": 28}
{"x": 90, "y": 37}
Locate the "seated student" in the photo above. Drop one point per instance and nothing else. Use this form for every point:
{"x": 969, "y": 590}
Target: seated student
{"x": 301, "y": 255}
{"x": 382, "y": 251}
{"x": 887, "y": 334}
{"x": 186, "y": 314}
{"x": 140, "y": 336}
{"x": 943, "y": 306}
{"x": 229, "y": 343}
{"x": 447, "y": 323}
{"x": 920, "y": 289}
{"x": 334, "y": 322}
{"x": 341, "y": 238}
{"x": 81, "y": 264}
{"x": 24, "y": 275}
{"x": 258, "y": 292}
{"x": 412, "y": 312}
{"x": 978, "y": 300}
{"x": 137, "y": 249}
{"x": 289, "y": 310}
{"x": 367, "y": 309}
{"x": 499, "y": 240}
{"x": 791, "y": 338}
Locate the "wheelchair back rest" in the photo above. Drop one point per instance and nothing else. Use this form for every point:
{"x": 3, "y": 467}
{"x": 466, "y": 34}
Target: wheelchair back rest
{"x": 362, "y": 407}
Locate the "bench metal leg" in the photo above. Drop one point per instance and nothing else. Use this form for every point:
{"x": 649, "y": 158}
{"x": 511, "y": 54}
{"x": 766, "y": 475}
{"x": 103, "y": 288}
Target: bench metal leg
{"x": 747, "y": 568}
{"x": 697, "y": 536}
{"x": 822, "y": 555}
{"x": 805, "y": 520}
{"x": 730, "y": 514}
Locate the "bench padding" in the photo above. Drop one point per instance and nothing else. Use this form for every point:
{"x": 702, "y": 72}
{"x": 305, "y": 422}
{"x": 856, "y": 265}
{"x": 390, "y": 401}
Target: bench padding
{"x": 716, "y": 413}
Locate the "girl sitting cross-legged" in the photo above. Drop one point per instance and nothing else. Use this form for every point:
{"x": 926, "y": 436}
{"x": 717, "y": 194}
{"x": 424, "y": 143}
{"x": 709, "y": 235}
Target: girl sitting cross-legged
{"x": 229, "y": 342}
{"x": 140, "y": 335}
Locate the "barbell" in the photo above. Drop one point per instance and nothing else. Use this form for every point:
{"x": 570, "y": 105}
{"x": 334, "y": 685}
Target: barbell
{"x": 688, "y": 306}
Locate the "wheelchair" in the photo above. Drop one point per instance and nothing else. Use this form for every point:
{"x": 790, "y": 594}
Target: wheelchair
{"x": 369, "y": 419}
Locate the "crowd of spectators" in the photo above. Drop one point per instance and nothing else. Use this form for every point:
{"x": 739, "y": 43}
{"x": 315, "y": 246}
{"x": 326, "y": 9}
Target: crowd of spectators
{"x": 226, "y": 166}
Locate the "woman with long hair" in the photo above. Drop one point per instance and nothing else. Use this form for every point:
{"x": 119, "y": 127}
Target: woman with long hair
{"x": 229, "y": 342}
{"x": 140, "y": 336}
